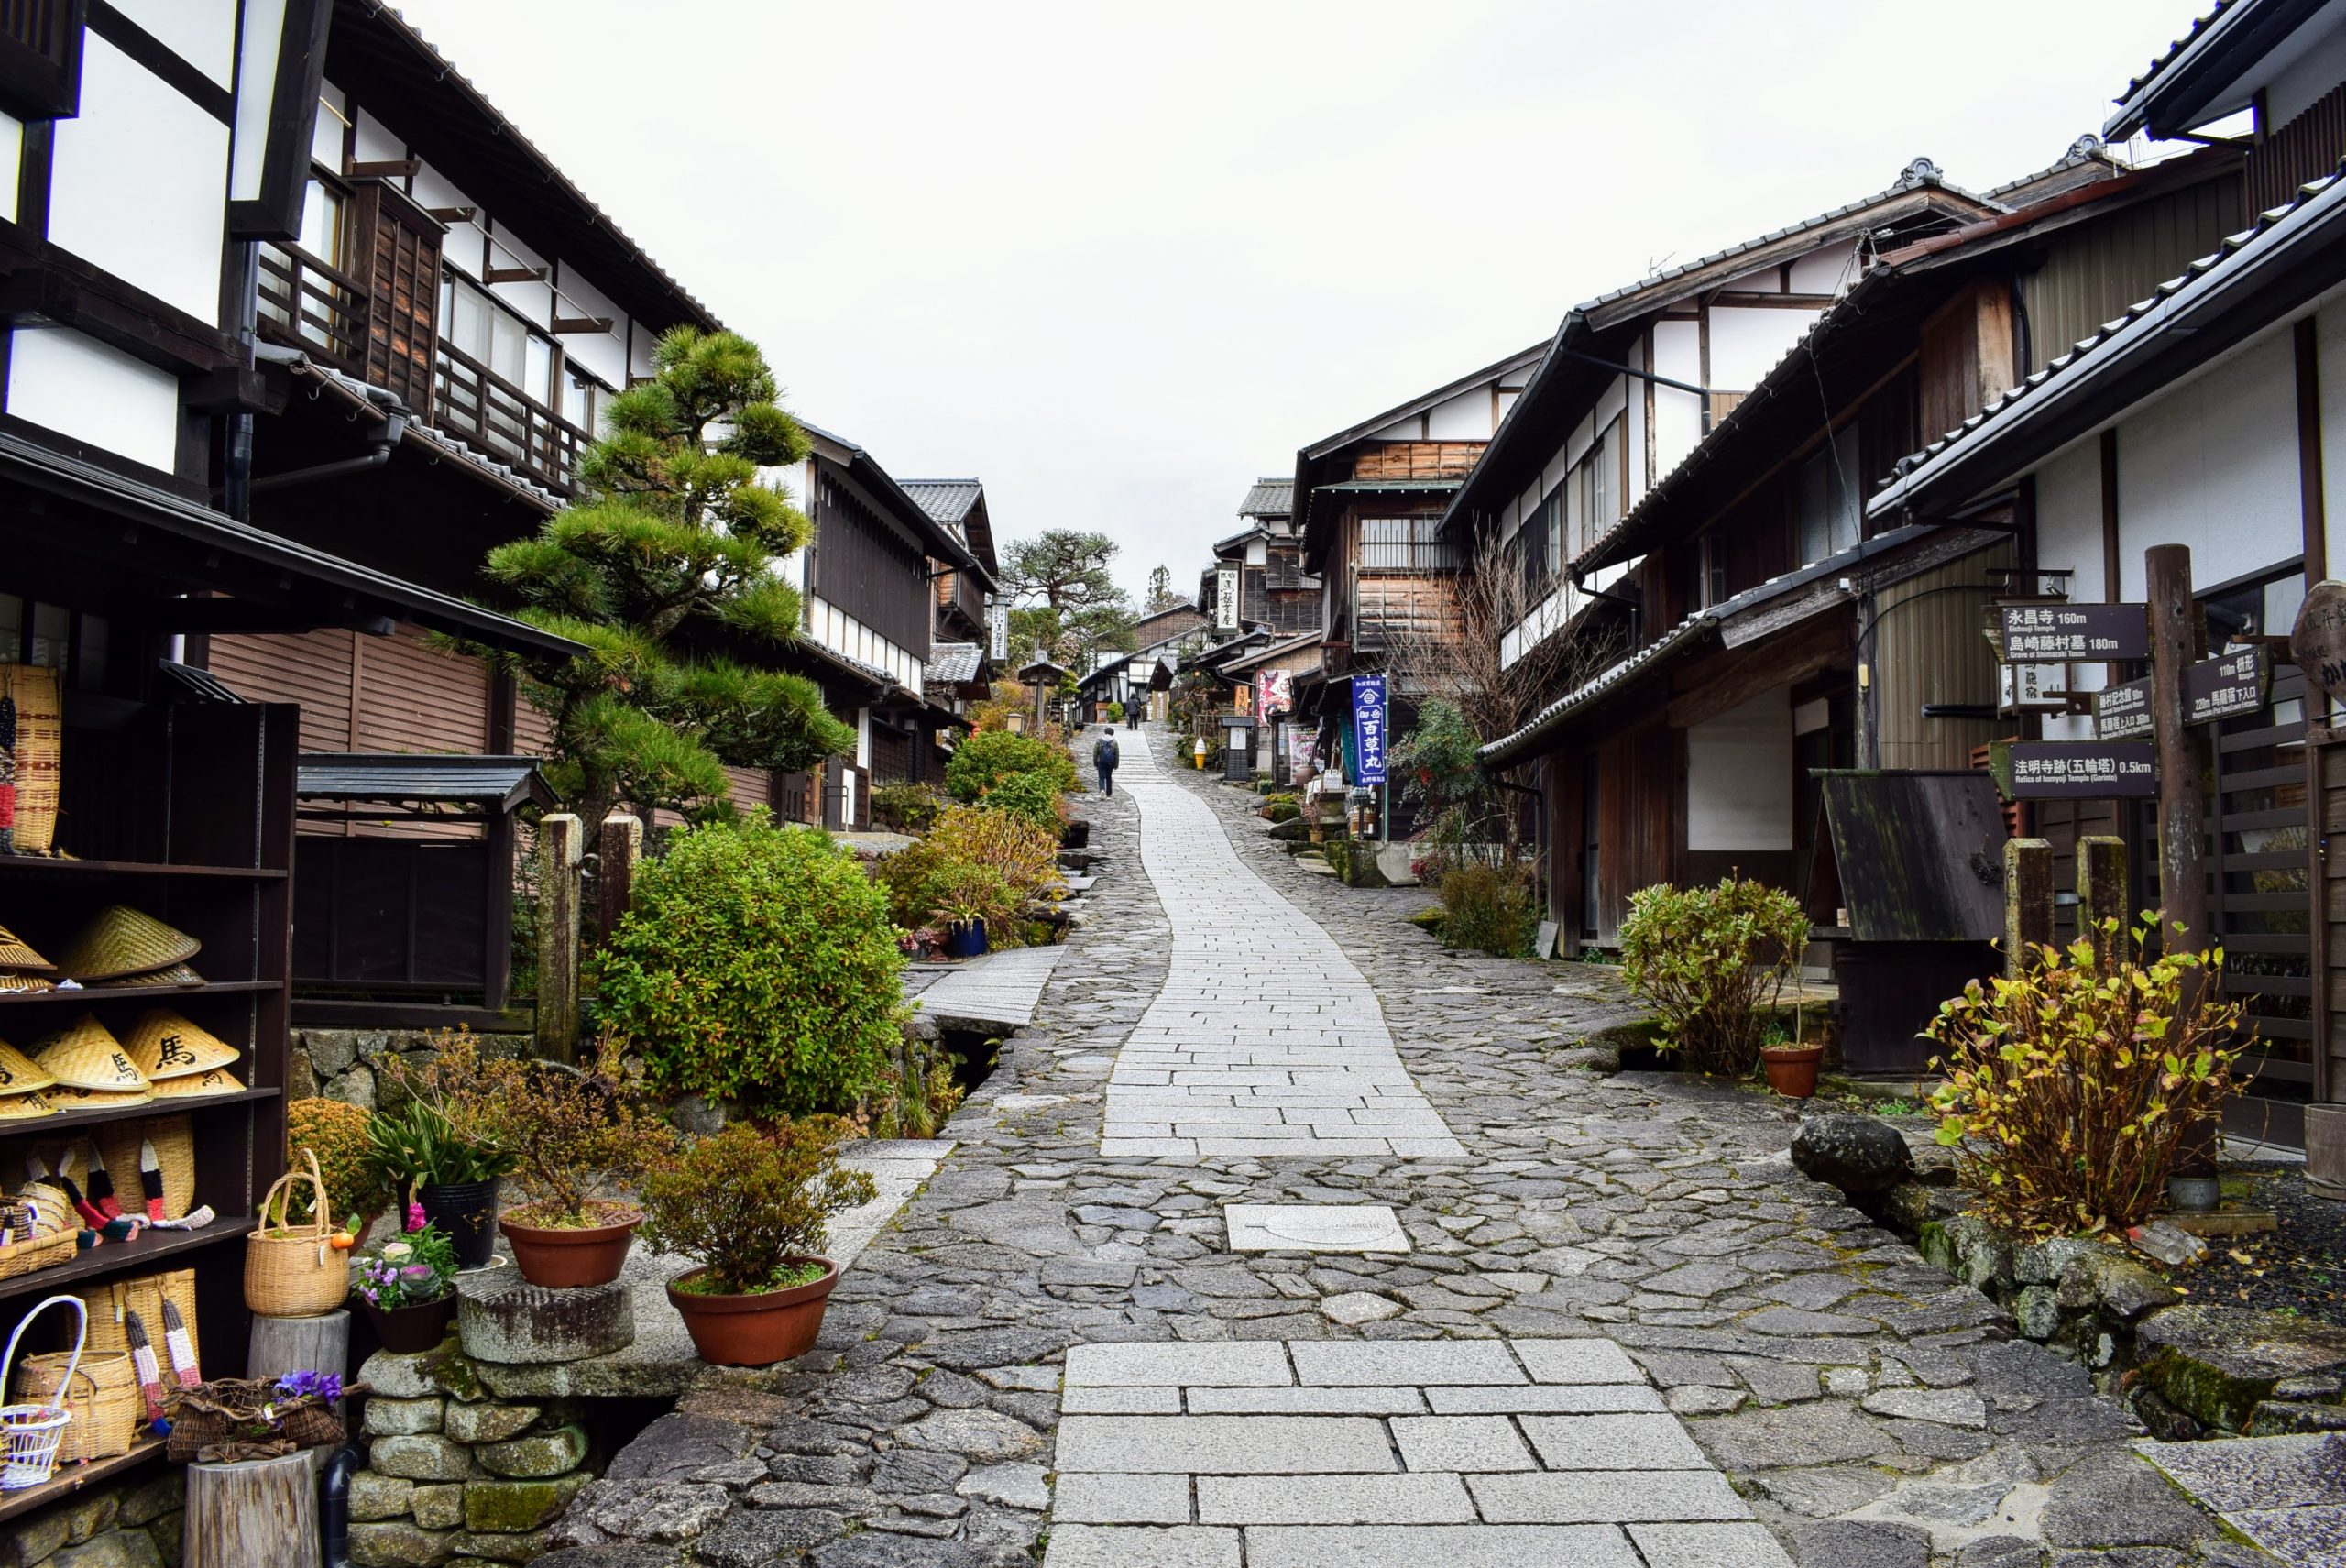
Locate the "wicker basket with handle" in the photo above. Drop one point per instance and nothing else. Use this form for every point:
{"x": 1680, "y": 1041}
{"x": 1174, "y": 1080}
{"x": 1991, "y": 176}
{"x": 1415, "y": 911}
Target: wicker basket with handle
{"x": 29, "y": 1433}
{"x": 102, "y": 1395}
{"x": 56, "y": 1233}
{"x": 293, "y": 1271}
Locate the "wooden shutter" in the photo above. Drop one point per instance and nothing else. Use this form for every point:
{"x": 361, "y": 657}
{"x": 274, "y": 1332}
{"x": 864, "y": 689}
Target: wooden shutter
{"x": 398, "y": 254}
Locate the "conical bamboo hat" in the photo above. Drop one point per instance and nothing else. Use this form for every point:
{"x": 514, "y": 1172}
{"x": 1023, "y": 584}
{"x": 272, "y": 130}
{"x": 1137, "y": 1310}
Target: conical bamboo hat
{"x": 176, "y": 974}
{"x": 216, "y": 1081}
{"x": 83, "y": 1054}
{"x": 164, "y": 1045}
{"x": 120, "y": 940}
{"x": 15, "y": 955}
{"x": 19, "y": 1074}
{"x": 24, "y": 1107}
{"x": 9, "y": 983}
{"x": 66, "y": 1097}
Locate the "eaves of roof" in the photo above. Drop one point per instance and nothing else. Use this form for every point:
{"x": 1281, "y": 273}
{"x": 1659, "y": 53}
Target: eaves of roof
{"x": 1235, "y": 540}
{"x": 1419, "y": 404}
{"x": 2184, "y": 87}
{"x": 502, "y": 783}
{"x": 938, "y": 539}
{"x": 1277, "y": 651}
{"x": 2256, "y": 278}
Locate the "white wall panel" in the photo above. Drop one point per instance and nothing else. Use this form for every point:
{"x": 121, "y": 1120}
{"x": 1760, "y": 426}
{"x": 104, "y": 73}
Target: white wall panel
{"x": 1746, "y": 344}
{"x": 1677, "y": 416}
{"x": 602, "y": 353}
{"x": 464, "y": 245}
{"x": 1466, "y": 417}
{"x": 2213, "y": 463}
{"x": 201, "y": 32}
{"x": 138, "y": 184}
{"x": 374, "y": 141}
{"x": 1825, "y": 271}
{"x": 80, "y": 388}
{"x": 263, "y": 24}
{"x": 1739, "y": 776}
{"x": 2068, "y": 518}
{"x": 12, "y": 156}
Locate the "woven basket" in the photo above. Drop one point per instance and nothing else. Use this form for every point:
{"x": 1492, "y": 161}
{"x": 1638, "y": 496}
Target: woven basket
{"x": 292, "y": 1271}
{"x": 104, "y": 1399}
{"x": 120, "y": 940}
{"x": 174, "y": 1141}
{"x": 111, "y": 1303}
{"x": 41, "y": 748}
{"x": 56, "y": 1234}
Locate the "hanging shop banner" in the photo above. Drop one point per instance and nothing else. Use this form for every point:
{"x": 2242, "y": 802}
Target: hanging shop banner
{"x": 2227, "y": 686}
{"x": 998, "y": 630}
{"x": 2037, "y": 632}
{"x": 1274, "y": 691}
{"x": 2075, "y": 770}
{"x": 1225, "y": 598}
{"x": 1368, "y": 729}
{"x": 2122, "y": 712}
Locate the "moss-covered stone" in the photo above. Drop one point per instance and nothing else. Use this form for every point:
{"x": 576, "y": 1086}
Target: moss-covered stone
{"x": 1427, "y": 919}
{"x": 510, "y": 1507}
{"x": 439, "y": 1506}
{"x": 2219, "y": 1363}
{"x": 421, "y": 1458}
{"x": 488, "y": 1423}
{"x": 375, "y": 1496}
{"x": 150, "y": 1500}
{"x": 520, "y": 1547}
{"x": 397, "y": 1545}
{"x": 402, "y": 1418}
{"x": 536, "y": 1456}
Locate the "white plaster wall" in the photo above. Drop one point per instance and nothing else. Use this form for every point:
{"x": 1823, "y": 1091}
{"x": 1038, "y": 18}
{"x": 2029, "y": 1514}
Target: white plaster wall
{"x": 1829, "y": 270}
{"x": 138, "y": 184}
{"x": 532, "y": 302}
{"x": 2329, "y": 360}
{"x": 1410, "y": 429}
{"x": 80, "y": 388}
{"x": 334, "y": 104}
{"x": 1677, "y": 416}
{"x": 12, "y": 154}
{"x": 604, "y": 353}
{"x": 202, "y": 32}
{"x": 1466, "y": 417}
{"x": 2068, "y": 533}
{"x": 1739, "y": 776}
{"x": 464, "y": 245}
{"x": 2213, "y": 465}
{"x": 375, "y": 142}
{"x": 1746, "y": 343}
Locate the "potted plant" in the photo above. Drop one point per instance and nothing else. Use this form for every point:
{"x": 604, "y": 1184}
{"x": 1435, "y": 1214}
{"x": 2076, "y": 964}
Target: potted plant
{"x": 1791, "y": 1066}
{"x": 443, "y": 1142}
{"x": 963, "y": 894}
{"x": 750, "y": 1205}
{"x": 576, "y": 1133}
{"x": 408, "y": 1287}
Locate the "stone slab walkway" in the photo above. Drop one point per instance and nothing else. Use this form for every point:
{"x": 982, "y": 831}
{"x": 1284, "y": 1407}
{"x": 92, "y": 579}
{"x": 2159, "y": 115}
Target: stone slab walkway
{"x": 1264, "y": 1039}
{"x": 1000, "y": 991}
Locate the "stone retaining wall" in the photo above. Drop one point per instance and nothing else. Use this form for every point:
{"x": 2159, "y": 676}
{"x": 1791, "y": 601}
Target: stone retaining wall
{"x": 128, "y": 1524}
{"x": 343, "y": 1064}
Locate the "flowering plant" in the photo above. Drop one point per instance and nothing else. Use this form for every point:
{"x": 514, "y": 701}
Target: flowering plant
{"x": 325, "y": 1387}
{"x": 419, "y": 1266}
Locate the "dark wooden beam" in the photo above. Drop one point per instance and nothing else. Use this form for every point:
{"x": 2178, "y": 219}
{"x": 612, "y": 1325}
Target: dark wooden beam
{"x": 234, "y": 389}
{"x": 382, "y": 168}
{"x": 231, "y": 615}
{"x": 513, "y": 275}
{"x": 453, "y": 215}
{"x": 581, "y": 323}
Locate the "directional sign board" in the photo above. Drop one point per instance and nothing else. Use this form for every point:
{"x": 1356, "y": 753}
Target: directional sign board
{"x": 2122, "y": 712}
{"x": 2231, "y": 684}
{"x": 2075, "y": 770}
{"x": 2034, "y": 689}
{"x": 2318, "y": 643}
{"x": 2040, "y": 632}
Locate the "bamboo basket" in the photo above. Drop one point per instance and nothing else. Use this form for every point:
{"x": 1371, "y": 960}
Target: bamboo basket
{"x": 293, "y": 1271}
{"x": 56, "y": 1234}
{"x": 102, "y": 1395}
{"x": 174, "y": 1141}
{"x": 40, "y": 744}
{"x": 110, "y": 1305}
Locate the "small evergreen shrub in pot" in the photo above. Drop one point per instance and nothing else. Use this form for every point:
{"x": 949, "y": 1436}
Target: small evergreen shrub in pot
{"x": 990, "y": 756}
{"x": 1714, "y": 961}
{"x": 439, "y": 1145}
{"x": 577, "y": 1135}
{"x": 750, "y": 1206}
{"x": 976, "y": 864}
{"x": 758, "y": 965}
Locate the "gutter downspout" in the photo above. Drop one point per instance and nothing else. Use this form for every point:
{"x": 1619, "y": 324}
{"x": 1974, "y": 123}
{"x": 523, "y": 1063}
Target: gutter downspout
{"x": 385, "y": 441}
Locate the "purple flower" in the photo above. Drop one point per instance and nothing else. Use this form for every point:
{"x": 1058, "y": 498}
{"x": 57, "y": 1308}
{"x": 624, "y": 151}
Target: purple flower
{"x": 416, "y": 1271}
{"x": 415, "y": 1220}
{"x": 325, "y": 1386}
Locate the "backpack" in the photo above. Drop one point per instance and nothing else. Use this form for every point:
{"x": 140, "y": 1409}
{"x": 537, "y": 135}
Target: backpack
{"x": 1105, "y": 755}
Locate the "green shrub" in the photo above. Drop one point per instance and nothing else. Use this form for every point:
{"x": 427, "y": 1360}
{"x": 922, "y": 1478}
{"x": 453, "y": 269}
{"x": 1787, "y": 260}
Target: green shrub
{"x": 1714, "y": 962}
{"x": 747, "y": 1203}
{"x": 905, "y": 807}
{"x": 985, "y": 759}
{"x": 1492, "y": 909}
{"x": 757, "y": 964}
{"x": 974, "y": 863}
{"x": 1033, "y": 798}
{"x": 1112, "y": 713}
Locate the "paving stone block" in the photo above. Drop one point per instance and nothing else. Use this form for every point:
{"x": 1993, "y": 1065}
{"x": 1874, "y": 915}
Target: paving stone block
{"x": 1084, "y": 1498}
{"x": 1461, "y": 1442}
{"x": 1613, "y": 1442}
{"x": 1402, "y": 1363}
{"x": 1711, "y": 1545}
{"x": 1258, "y": 1364}
{"x": 1545, "y": 1398}
{"x": 1333, "y": 1499}
{"x": 1450, "y": 1546}
{"x": 1305, "y": 1401}
{"x": 1127, "y": 1546}
{"x": 1577, "y": 1361}
{"x": 1223, "y": 1445}
{"x": 1121, "y": 1402}
{"x": 1616, "y": 1496}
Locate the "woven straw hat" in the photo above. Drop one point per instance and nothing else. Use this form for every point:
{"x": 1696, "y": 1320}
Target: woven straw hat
{"x": 19, "y": 1074}
{"x": 83, "y": 1054}
{"x": 24, "y": 1107}
{"x": 66, "y": 1097}
{"x": 15, "y": 955}
{"x": 216, "y": 1081}
{"x": 120, "y": 940}
{"x": 25, "y": 982}
{"x": 163, "y": 1046}
{"x": 176, "y": 974}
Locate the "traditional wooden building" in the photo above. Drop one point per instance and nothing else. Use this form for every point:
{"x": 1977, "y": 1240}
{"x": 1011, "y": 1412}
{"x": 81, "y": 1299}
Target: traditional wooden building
{"x": 962, "y": 655}
{"x": 1257, "y": 578}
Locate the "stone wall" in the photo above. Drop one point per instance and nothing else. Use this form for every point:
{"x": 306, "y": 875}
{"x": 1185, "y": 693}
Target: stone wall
{"x": 346, "y": 1064}
{"x": 133, "y": 1523}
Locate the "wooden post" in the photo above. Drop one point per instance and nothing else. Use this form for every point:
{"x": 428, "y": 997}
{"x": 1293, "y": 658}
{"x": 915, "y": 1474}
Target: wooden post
{"x": 2028, "y": 902}
{"x": 265, "y": 1510}
{"x": 559, "y": 853}
{"x": 2101, "y": 893}
{"x": 2175, "y": 637}
{"x": 279, "y": 1345}
{"x": 621, "y": 847}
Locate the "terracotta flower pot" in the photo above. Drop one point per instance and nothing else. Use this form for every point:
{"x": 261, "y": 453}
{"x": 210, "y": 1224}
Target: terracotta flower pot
{"x": 409, "y": 1331}
{"x": 564, "y": 1258}
{"x": 755, "y": 1331}
{"x": 1791, "y": 1069}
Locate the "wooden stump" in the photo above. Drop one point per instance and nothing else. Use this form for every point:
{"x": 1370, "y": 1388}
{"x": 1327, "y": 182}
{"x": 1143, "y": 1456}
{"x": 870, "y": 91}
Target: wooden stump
{"x": 279, "y": 1345}
{"x": 239, "y": 1515}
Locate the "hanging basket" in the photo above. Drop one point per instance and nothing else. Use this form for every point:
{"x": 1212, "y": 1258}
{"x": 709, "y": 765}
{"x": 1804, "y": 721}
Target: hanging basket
{"x": 31, "y": 1433}
{"x": 293, "y": 1271}
{"x": 100, "y": 1390}
{"x": 111, "y": 1303}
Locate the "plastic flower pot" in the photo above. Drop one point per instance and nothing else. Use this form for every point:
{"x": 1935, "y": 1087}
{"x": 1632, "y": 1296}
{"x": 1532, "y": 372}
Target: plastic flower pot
{"x": 564, "y": 1259}
{"x": 407, "y": 1330}
{"x": 465, "y": 1211}
{"x": 755, "y": 1331}
{"x": 965, "y": 939}
{"x": 1791, "y": 1069}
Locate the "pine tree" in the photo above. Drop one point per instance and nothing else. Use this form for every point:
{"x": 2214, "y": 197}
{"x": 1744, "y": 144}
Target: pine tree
{"x": 1083, "y": 611}
{"x": 668, "y": 545}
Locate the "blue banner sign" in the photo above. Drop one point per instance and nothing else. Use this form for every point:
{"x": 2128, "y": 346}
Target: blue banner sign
{"x": 1368, "y": 729}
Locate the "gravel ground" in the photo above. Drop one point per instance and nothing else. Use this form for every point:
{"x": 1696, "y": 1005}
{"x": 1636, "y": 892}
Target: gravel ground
{"x": 2299, "y": 1269}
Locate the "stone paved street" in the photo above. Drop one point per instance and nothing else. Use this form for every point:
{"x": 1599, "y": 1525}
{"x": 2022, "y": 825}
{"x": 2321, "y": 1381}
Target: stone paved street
{"x": 998, "y": 1370}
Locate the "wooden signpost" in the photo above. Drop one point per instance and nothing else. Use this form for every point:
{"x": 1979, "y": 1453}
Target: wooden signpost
{"x": 2075, "y": 769}
{"x": 2074, "y": 633}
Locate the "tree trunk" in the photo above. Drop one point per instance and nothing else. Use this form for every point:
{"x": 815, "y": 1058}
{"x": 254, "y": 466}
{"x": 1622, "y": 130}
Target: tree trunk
{"x": 279, "y": 1345}
{"x": 264, "y": 1511}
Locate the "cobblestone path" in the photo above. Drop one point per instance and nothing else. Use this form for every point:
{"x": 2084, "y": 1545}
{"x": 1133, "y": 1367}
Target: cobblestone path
{"x": 1866, "y": 1410}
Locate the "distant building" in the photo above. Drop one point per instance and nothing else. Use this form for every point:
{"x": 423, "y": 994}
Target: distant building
{"x": 1257, "y": 578}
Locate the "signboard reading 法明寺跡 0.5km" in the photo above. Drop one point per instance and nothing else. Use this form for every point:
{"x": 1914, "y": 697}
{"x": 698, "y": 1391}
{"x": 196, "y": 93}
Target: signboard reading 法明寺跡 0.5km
{"x": 2054, "y": 632}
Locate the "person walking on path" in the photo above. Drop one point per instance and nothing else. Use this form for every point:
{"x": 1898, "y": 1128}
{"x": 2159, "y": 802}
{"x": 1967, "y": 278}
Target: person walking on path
{"x": 1105, "y": 758}
{"x": 1133, "y": 712}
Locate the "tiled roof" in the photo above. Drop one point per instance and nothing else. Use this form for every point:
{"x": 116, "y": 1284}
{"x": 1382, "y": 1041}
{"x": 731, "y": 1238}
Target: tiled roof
{"x": 953, "y": 663}
{"x": 2200, "y": 25}
{"x": 1273, "y": 496}
{"x": 946, "y": 501}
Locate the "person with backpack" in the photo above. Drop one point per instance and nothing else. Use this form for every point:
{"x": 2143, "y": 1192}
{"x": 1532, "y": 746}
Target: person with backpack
{"x": 1105, "y": 758}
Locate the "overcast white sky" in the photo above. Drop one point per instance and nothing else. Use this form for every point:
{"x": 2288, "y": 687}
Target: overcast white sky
{"x": 1117, "y": 259}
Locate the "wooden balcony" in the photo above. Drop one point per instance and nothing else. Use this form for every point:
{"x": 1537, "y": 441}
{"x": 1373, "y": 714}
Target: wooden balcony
{"x": 491, "y": 414}
{"x": 309, "y": 305}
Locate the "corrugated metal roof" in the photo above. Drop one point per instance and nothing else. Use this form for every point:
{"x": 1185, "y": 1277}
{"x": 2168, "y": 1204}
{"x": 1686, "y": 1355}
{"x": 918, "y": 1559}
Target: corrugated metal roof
{"x": 502, "y": 783}
{"x": 946, "y": 501}
{"x": 953, "y": 663}
{"x": 1273, "y": 496}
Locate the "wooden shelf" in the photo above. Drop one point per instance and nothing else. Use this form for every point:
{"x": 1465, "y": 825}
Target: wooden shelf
{"x": 49, "y": 864}
{"x": 66, "y": 1120}
{"x": 90, "y": 995}
{"x": 72, "y": 1478}
{"x": 151, "y": 1251}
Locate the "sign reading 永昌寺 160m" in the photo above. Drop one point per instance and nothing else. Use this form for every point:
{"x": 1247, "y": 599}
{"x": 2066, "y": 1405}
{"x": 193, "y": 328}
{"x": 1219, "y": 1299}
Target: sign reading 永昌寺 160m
{"x": 1368, "y": 729}
{"x": 2056, "y": 633}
